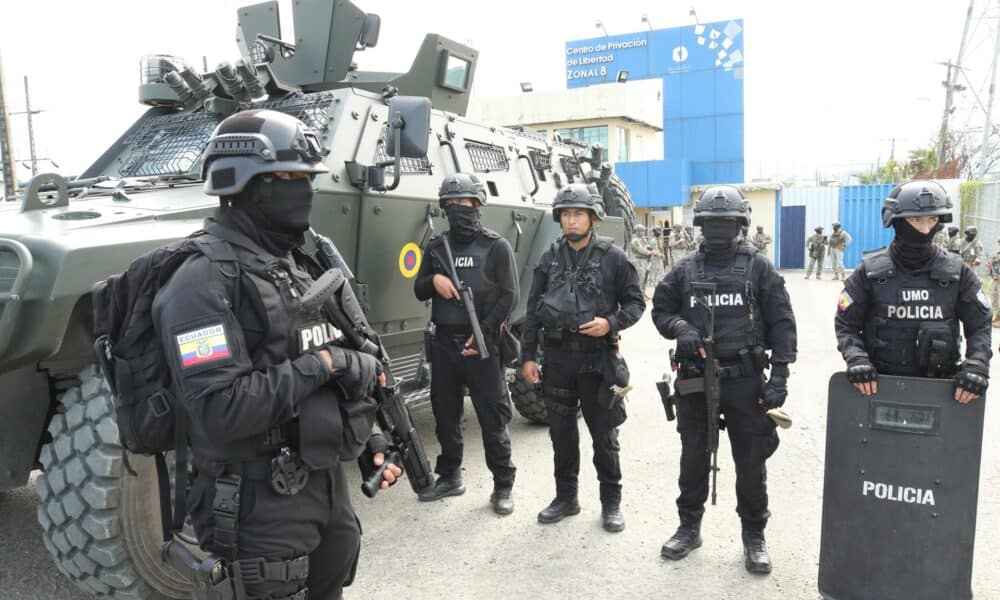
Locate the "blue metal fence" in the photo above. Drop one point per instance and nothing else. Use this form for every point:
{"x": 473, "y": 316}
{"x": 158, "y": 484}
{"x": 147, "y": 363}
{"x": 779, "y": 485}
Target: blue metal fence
{"x": 861, "y": 216}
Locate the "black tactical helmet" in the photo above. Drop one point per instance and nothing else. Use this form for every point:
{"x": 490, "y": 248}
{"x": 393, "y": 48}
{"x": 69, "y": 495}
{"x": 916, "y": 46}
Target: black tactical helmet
{"x": 919, "y": 198}
{"x": 722, "y": 201}
{"x": 462, "y": 185}
{"x": 971, "y": 230}
{"x": 953, "y": 230}
{"x": 578, "y": 195}
{"x": 258, "y": 141}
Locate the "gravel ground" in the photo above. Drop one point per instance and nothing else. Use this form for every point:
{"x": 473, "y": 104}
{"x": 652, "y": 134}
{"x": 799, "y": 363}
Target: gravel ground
{"x": 458, "y": 548}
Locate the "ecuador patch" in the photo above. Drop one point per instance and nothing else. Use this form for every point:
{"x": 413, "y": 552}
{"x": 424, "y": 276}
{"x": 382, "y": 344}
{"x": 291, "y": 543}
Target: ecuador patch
{"x": 409, "y": 260}
{"x": 983, "y": 299}
{"x": 202, "y": 346}
{"x": 845, "y": 301}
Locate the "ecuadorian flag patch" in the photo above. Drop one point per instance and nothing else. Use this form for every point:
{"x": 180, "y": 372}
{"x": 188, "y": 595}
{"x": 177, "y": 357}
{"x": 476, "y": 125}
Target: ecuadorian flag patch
{"x": 845, "y": 301}
{"x": 202, "y": 346}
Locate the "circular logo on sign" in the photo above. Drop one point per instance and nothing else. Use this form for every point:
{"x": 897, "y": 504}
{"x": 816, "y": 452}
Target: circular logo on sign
{"x": 409, "y": 260}
{"x": 680, "y": 54}
{"x": 203, "y": 350}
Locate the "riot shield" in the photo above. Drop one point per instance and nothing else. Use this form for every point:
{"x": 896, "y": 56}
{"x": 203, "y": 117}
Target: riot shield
{"x": 900, "y": 491}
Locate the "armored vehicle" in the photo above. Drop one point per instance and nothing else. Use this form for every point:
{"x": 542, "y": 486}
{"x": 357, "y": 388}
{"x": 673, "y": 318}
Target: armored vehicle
{"x": 100, "y": 521}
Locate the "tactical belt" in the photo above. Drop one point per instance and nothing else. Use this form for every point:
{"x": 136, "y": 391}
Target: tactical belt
{"x": 571, "y": 341}
{"x": 257, "y": 469}
{"x": 447, "y": 330}
{"x": 258, "y": 570}
{"x": 727, "y": 370}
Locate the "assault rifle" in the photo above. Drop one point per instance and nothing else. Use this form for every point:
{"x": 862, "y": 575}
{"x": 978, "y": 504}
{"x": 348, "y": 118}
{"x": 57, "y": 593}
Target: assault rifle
{"x": 704, "y": 296}
{"x": 465, "y": 292}
{"x": 333, "y": 295}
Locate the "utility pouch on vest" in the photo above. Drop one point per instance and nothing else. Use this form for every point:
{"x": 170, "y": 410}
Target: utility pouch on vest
{"x": 934, "y": 344}
{"x": 615, "y": 368}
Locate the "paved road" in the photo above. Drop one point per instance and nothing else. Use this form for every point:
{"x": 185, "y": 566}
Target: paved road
{"x": 458, "y": 548}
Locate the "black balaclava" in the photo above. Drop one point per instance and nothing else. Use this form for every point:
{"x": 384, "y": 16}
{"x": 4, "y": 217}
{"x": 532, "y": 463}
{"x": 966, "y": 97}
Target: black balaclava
{"x": 720, "y": 238}
{"x": 277, "y": 211}
{"x": 463, "y": 222}
{"x": 953, "y": 232}
{"x": 912, "y": 249}
{"x": 969, "y": 237}
{"x": 836, "y": 228}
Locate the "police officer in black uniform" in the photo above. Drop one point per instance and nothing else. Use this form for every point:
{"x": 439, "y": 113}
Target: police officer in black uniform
{"x": 584, "y": 292}
{"x": 485, "y": 263}
{"x": 753, "y": 314}
{"x": 900, "y": 310}
{"x": 273, "y": 405}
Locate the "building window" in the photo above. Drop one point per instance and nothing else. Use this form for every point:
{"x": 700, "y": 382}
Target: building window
{"x": 590, "y": 136}
{"x": 623, "y": 145}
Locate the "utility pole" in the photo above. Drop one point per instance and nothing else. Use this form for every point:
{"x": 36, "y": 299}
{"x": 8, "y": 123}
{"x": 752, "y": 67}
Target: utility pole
{"x": 31, "y": 129}
{"x": 7, "y": 168}
{"x": 987, "y": 129}
{"x": 951, "y": 85}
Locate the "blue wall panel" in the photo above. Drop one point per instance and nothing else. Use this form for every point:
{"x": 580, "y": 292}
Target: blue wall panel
{"x": 656, "y": 182}
{"x": 861, "y": 216}
{"x": 701, "y": 67}
{"x": 792, "y": 241}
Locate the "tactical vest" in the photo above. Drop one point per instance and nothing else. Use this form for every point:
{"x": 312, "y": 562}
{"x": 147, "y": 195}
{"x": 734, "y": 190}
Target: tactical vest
{"x": 912, "y": 327}
{"x": 470, "y": 264}
{"x": 837, "y": 240}
{"x": 266, "y": 295}
{"x": 738, "y": 320}
{"x": 575, "y": 294}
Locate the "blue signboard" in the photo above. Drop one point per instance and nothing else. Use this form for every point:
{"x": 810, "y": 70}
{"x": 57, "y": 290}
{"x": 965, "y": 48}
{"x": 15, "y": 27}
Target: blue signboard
{"x": 701, "y": 67}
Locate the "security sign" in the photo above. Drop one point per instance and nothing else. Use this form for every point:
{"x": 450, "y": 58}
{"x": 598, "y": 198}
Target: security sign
{"x": 409, "y": 260}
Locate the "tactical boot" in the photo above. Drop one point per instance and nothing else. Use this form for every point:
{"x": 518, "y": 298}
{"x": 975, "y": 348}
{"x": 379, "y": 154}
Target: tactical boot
{"x": 756, "y": 559}
{"x": 444, "y": 486}
{"x": 501, "y": 502}
{"x": 612, "y": 518}
{"x": 559, "y": 508}
{"x": 685, "y": 539}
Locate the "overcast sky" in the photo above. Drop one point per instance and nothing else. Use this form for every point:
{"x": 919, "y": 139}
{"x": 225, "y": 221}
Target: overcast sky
{"x": 827, "y": 84}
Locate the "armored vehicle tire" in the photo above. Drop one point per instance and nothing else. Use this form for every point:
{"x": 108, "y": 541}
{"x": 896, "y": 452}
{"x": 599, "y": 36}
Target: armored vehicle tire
{"x": 101, "y": 524}
{"x": 618, "y": 203}
{"x": 527, "y": 398}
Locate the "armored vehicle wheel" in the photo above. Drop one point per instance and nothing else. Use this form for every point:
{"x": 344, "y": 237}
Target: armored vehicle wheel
{"x": 527, "y": 398}
{"x": 101, "y": 524}
{"x": 618, "y": 203}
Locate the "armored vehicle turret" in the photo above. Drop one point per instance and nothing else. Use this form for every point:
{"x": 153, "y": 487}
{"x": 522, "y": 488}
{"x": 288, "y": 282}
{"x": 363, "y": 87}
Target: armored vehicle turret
{"x": 378, "y": 203}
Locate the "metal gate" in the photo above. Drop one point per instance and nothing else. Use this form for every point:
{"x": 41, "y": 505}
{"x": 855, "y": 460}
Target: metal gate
{"x": 861, "y": 216}
{"x": 793, "y": 237}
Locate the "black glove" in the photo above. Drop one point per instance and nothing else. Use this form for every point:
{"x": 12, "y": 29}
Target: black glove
{"x": 776, "y": 389}
{"x": 861, "y": 370}
{"x": 973, "y": 377}
{"x": 688, "y": 339}
{"x": 366, "y": 461}
{"x": 354, "y": 370}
